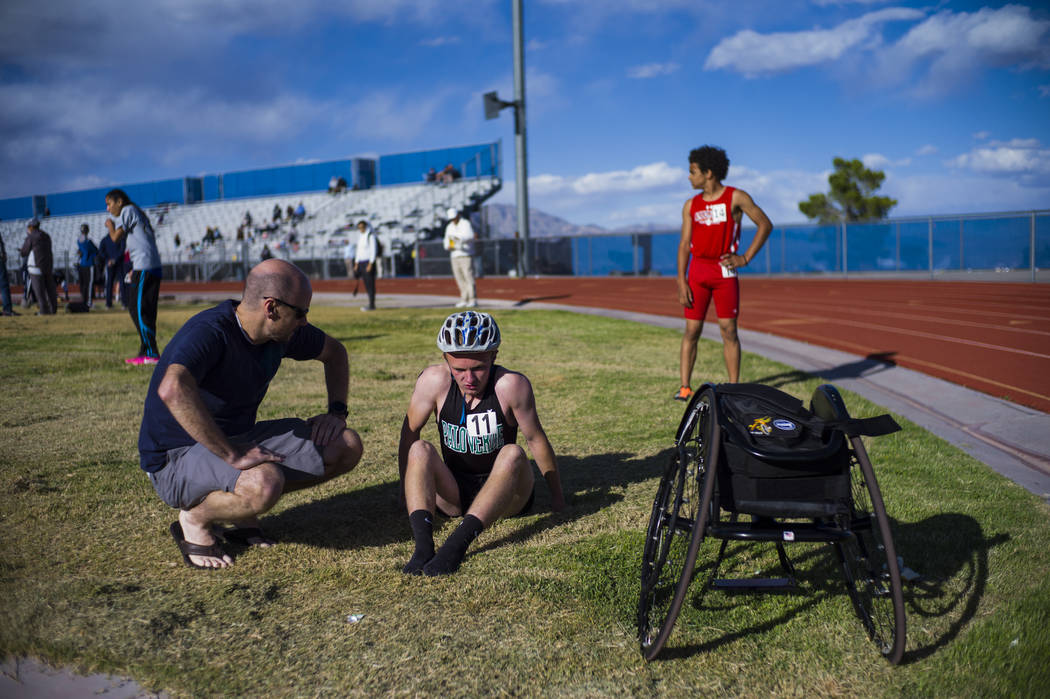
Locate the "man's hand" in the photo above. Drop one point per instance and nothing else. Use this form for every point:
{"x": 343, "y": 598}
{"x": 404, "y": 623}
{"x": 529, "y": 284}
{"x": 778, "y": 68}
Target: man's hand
{"x": 109, "y": 225}
{"x": 731, "y": 261}
{"x": 253, "y": 456}
{"x": 325, "y": 428}
{"x": 685, "y": 294}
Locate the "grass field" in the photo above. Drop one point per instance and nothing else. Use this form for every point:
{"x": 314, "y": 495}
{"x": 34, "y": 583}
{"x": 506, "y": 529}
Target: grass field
{"x": 544, "y": 605}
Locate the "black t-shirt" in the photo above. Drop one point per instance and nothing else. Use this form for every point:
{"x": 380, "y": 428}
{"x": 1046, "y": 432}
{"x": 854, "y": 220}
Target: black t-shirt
{"x": 471, "y": 437}
{"x": 232, "y": 374}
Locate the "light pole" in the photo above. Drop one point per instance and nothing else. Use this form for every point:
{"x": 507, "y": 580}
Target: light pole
{"x": 493, "y": 105}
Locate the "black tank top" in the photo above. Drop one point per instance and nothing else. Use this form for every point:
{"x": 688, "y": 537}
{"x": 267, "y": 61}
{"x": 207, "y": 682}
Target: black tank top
{"x": 471, "y": 437}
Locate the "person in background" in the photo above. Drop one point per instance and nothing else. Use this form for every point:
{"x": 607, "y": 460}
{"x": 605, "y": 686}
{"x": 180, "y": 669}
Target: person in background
{"x": 40, "y": 263}
{"x": 133, "y": 226}
{"x": 5, "y": 286}
{"x": 112, "y": 254}
{"x": 366, "y": 256}
{"x": 459, "y": 241}
{"x": 86, "y": 254}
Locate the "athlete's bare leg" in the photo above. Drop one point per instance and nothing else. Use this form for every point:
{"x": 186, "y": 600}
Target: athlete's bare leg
{"x": 730, "y": 347}
{"x": 508, "y": 486}
{"x": 690, "y": 338}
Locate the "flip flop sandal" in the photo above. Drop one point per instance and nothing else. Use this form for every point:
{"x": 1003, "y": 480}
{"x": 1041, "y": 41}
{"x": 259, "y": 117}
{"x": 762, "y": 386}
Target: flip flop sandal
{"x": 188, "y": 548}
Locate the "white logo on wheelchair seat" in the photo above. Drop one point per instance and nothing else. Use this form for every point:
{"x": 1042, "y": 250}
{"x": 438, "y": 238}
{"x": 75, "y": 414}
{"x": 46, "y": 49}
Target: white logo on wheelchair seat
{"x": 786, "y": 425}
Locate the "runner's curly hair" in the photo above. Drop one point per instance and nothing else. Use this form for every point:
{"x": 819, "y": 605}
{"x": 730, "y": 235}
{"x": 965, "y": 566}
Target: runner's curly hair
{"x": 711, "y": 158}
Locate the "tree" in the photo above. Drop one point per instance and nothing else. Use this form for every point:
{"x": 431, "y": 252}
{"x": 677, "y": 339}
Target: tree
{"x": 851, "y": 197}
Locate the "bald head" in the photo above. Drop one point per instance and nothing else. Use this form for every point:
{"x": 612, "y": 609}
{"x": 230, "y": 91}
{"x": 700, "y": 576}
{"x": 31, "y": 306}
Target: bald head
{"x": 275, "y": 279}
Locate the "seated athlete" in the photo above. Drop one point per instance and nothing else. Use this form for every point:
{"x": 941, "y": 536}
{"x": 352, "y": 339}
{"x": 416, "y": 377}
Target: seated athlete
{"x": 708, "y": 258}
{"x": 480, "y": 473}
{"x": 199, "y": 442}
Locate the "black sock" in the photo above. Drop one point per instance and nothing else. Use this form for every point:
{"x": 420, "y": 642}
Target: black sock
{"x": 423, "y": 532}
{"x": 451, "y": 553}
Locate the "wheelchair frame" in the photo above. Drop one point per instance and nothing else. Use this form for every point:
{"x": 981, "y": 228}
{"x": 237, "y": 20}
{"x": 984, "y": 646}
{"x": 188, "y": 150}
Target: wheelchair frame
{"x": 685, "y": 513}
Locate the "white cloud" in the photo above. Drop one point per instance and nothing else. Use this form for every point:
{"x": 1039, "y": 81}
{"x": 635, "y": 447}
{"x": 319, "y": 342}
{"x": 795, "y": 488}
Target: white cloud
{"x": 392, "y": 116}
{"x": 927, "y": 149}
{"x": 936, "y": 54}
{"x": 981, "y": 135}
{"x": 652, "y": 70}
{"x": 642, "y": 177}
{"x": 440, "y": 41}
{"x": 752, "y": 54}
{"x": 947, "y": 48}
{"x": 1017, "y": 157}
{"x": 878, "y": 160}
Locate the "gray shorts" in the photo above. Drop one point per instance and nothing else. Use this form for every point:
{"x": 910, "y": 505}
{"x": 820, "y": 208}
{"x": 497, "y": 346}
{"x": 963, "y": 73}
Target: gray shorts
{"x": 193, "y": 472}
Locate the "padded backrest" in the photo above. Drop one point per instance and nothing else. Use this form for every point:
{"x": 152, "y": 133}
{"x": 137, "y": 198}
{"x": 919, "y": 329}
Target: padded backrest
{"x": 774, "y": 426}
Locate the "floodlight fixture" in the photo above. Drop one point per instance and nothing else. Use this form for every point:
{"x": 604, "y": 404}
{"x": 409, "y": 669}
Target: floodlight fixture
{"x": 493, "y": 104}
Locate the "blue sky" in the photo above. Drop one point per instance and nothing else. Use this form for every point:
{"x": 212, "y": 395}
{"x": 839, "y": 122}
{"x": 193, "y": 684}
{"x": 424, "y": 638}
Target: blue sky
{"x": 950, "y": 99}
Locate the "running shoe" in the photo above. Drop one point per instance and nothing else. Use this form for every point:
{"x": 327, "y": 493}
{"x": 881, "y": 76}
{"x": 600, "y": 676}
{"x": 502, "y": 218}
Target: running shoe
{"x": 139, "y": 361}
{"x": 684, "y": 393}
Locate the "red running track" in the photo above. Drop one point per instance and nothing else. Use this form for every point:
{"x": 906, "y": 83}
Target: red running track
{"x": 993, "y": 337}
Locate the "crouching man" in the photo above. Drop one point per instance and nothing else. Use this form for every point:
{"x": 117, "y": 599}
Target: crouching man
{"x": 480, "y": 472}
{"x": 200, "y": 443}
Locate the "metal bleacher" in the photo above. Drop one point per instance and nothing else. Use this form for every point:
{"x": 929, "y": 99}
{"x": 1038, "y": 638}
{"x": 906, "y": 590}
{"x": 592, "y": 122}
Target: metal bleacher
{"x": 400, "y": 214}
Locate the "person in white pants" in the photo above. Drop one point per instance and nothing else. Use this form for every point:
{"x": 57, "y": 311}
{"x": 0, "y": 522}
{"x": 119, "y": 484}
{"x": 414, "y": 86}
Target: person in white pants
{"x": 459, "y": 241}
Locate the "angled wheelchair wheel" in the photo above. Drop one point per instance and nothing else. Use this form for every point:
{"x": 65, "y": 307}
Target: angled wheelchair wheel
{"x": 869, "y": 561}
{"x": 677, "y": 523}
{"x": 868, "y": 557}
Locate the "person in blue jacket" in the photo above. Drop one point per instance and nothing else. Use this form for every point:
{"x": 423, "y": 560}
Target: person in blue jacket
{"x": 86, "y": 254}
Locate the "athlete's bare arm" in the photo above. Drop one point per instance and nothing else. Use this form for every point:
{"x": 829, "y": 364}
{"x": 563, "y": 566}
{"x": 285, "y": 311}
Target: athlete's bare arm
{"x": 517, "y": 399}
{"x": 742, "y": 202}
{"x": 685, "y": 294}
{"x": 430, "y": 389}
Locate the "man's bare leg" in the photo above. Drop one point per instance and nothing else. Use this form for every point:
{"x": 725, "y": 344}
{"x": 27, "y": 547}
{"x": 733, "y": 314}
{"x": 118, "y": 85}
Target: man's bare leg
{"x": 690, "y": 338}
{"x": 257, "y": 490}
{"x": 730, "y": 347}
{"x": 340, "y": 456}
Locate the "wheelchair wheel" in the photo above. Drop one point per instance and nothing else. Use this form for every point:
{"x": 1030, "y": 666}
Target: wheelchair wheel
{"x": 869, "y": 561}
{"x": 677, "y": 523}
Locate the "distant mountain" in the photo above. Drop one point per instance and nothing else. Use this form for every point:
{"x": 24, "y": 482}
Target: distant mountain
{"x": 503, "y": 221}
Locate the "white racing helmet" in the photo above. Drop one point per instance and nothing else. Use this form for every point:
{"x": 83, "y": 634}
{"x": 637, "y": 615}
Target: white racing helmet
{"x": 468, "y": 331}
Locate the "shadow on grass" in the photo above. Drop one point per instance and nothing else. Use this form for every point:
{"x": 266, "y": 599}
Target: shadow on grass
{"x": 950, "y": 553}
{"x": 872, "y": 364}
{"x": 951, "y": 548}
{"x": 535, "y": 299}
{"x": 372, "y": 516}
{"x": 589, "y": 484}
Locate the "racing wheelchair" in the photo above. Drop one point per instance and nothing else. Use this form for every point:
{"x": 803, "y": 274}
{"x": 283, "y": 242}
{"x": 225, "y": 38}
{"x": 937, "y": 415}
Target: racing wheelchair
{"x": 799, "y": 476}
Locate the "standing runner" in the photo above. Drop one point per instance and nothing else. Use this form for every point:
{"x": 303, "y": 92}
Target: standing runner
{"x": 708, "y": 258}
{"x": 144, "y": 284}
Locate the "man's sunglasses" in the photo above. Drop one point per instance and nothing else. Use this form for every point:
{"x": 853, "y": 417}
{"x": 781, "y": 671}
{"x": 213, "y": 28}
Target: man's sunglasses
{"x": 300, "y": 313}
